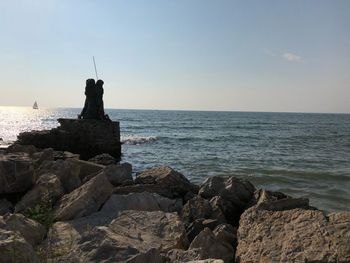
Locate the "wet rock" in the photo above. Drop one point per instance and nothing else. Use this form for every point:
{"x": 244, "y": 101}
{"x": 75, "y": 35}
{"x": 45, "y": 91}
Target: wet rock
{"x": 119, "y": 174}
{"x": 131, "y": 234}
{"x": 212, "y": 247}
{"x": 238, "y": 191}
{"x": 140, "y": 202}
{"x": 295, "y": 235}
{"x": 103, "y": 159}
{"x": 84, "y": 200}
{"x": 66, "y": 171}
{"x": 176, "y": 184}
{"x": 196, "y": 208}
{"x": 14, "y": 248}
{"x": 5, "y": 206}
{"x": 32, "y": 231}
{"x": 16, "y": 173}
{"x": 48, "y": 187}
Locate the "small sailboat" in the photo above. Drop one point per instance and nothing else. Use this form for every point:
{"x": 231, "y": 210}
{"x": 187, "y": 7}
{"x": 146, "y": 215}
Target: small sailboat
{"x": 35, "y": 106}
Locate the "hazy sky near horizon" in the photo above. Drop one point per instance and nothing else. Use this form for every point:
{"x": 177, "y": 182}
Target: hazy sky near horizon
{"x": 186, "y": 54}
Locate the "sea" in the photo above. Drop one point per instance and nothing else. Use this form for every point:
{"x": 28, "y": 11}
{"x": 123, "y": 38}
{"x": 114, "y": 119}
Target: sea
{"x": 299, "y": 154}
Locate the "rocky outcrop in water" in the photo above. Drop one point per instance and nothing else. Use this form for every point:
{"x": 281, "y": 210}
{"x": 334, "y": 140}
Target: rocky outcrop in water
{"x": 55, "y": 207}
{"x": 85, "y": 137}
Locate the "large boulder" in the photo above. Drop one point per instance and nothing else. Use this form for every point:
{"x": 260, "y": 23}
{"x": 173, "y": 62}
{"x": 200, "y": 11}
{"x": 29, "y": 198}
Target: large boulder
{"x": 32, "y": 231}
{"x": 15, "y": 148}
{"x": 293, "y": 235}
{"x": 48, "y": 187}
{"x": 141, "y": 202}
{"x": 16, "y": 173}
{"x": 212, "y": 247}
{"x": 87, "y": 170}
{"x": 14, "y": 248}
{"x": 133, "y": 233}
{"x": 84, "y": 200}
{"x": 166, "y": 177}
{"x": 119, "y": 174}
{"x": 196, "y": 208}
{"x": 66, "y": 171}
{"x": 238, "y": 191}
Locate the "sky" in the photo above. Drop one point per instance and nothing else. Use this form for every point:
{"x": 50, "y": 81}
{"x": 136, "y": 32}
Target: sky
{"x": 272, "y": 55}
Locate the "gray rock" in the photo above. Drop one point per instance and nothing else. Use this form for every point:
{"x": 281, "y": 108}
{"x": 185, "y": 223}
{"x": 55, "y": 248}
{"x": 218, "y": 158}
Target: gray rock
{"x": 66, "y": 171}
{"x": 119, "y": 174}
{"x": 48, "y": 187}
{"x": 5, "y": 206}
{"x": 238, "y": 191}
{"x": 140, "y": 202}
{"x": 32, "y": 231}
{"x": 198, "y": 225}
{"x": 103, "y": 159}
{"x": 196, "y": 208}
{"x": 84, "y": 200}
{"x": 14, "y": 248}
{"x": 181, "y": 256}
{"x": 64, "y": 155}
{"x": 16, "y": 173}
{"x": 152, "y": 255}
{"x": 212, "y": 247}
{"x": 166, "y": 177}
{"x": 128, "y": 237}
{"x": 296, "y": 235}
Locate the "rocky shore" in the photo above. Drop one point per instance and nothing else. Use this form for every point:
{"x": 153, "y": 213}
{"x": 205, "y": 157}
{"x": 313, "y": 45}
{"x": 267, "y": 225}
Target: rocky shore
{"x": 55, "y": 207}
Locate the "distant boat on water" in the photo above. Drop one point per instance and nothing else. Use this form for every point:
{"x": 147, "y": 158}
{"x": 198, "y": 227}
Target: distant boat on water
{"x": 35, "y": 106}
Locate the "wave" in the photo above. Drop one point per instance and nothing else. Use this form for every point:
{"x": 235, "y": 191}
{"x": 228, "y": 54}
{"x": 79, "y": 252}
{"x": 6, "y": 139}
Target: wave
{"x": 137, "y": 140}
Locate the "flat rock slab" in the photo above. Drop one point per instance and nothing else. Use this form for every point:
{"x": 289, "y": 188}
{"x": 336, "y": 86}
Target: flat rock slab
{"x": 296, "y": 235}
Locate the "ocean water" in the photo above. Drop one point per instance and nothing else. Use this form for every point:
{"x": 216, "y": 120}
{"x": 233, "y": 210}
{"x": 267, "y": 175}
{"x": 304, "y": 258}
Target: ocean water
{"x": 303, "y": 155}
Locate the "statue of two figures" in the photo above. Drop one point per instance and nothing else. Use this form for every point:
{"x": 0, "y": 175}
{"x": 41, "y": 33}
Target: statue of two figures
{"x": 93, "y": 106}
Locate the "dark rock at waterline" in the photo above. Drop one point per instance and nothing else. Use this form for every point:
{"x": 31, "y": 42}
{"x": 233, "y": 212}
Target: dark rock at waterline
{"x": 85, "y": 137}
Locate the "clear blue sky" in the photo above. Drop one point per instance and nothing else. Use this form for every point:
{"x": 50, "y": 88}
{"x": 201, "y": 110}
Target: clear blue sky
{"x": 178, "y": 54}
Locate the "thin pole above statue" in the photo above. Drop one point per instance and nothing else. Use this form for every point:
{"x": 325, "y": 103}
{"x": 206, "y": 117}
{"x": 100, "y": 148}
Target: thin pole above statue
{"x": 93, "y": 58}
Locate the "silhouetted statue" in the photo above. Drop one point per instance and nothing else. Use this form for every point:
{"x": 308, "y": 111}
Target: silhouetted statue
{"x": 99, "y": 99}
{"x": 90, "y": 106}
{"x": 93, "y": 106}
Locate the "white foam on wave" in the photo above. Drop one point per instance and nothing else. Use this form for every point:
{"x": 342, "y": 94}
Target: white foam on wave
{"x": 137, "y": 140}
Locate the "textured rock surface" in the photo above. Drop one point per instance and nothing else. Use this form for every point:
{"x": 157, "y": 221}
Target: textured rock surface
{"x": 85, "y": 137}
{"x": 297, "y": 235}
{"x": 196, "y": 208}
{"x": 14, "y": 248}
{"x": 119, "y": 174}
{"x": 66, "y": 171}
{"x": 84, "y": 200}
{"x": 238, "y": 191}
{"x": 32, "y": 231}
{"x": 16, "y": 173}
{"x": 48, "y": 187}
{"x": 141, "y": 202}
{"x": 14, "y": 148}
{"x": 166, "y": 177}
{"x": 212, "y": 247}
{"x": 130, "y": 234}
